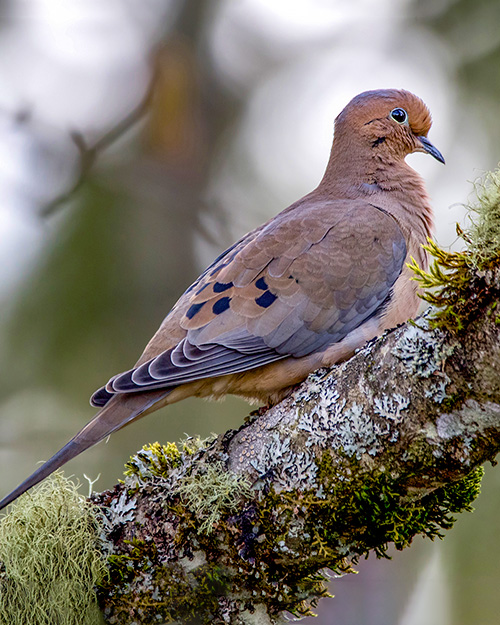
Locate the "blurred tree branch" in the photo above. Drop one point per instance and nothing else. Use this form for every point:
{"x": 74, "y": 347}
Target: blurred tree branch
{"x": 189, "y": 29}
{"x": 88, "y": 154}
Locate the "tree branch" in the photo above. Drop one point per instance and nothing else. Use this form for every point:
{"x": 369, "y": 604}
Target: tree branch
{"x": 375, "y": 451}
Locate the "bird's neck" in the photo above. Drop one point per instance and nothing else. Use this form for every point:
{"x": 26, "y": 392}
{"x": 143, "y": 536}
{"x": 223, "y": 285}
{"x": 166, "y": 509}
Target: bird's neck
{"x": 380, "y": 178}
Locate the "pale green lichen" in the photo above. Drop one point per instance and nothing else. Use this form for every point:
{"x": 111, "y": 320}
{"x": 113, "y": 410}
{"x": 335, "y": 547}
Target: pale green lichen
{"x": 484, "y": 214}
{"x": 121, "y": 511}
{"x": 347, "y": 428}
{"x": 50, "y": 558}
{"x": 290, "y": 467}
{"x": 391, "y": 406}
{"x": 437, "y": 391}
{"x": 422, "y": 351}
{"x": 464, "y": 423}
{"x": 320, "y": 410}
{"x": 210, "y": 494}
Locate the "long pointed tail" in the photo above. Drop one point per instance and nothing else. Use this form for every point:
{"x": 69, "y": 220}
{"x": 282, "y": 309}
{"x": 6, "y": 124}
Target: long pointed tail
{"x": 118, "y": 412}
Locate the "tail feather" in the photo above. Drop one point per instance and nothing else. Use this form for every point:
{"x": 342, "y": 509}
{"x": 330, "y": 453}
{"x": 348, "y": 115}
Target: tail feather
{"x": 117, "y": 413}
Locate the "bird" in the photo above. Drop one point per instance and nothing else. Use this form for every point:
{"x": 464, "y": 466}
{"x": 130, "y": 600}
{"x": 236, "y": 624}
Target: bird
{"x": 303, "y": 291}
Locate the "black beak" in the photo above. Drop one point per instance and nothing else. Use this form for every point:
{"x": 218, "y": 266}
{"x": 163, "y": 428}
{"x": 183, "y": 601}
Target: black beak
{"x": 430, "y": 149}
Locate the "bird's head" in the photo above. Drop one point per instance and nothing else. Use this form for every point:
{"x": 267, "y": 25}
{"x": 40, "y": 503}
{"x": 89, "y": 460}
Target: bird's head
{"x": 388, "y": 122}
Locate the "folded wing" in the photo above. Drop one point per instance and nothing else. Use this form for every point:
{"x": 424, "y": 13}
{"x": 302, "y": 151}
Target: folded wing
{"x": 294, "y": 287}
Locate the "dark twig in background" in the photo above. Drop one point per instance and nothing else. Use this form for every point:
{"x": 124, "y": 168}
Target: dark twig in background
{"x": 88, "y": 155}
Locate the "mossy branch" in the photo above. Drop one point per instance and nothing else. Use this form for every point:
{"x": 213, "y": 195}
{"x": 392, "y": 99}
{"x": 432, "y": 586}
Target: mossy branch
{"x": 384, "y": 447}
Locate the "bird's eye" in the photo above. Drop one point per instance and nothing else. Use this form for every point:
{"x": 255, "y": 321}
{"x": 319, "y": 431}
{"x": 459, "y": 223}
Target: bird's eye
{"x": 399, "y": 115}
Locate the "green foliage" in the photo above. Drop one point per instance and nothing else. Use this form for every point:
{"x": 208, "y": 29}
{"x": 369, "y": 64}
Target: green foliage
{"x": 50, "y": 559}
{"x": 81, "y": 270}
{"x": 460, "y": 284}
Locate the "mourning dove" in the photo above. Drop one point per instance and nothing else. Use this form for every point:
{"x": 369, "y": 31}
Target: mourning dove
{"x": 302, "y": 291}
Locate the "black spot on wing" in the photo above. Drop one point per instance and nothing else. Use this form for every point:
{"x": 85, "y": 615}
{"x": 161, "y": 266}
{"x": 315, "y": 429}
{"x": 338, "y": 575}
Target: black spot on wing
{"x": 221, "y": 305}
{"x": 261, "y": 284}
{"x": 220, "y": 287}
{"x": 194, "y": 309}
{"x": 266, "y": 299}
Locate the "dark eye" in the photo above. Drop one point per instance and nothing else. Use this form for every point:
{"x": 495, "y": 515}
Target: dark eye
{"x": 399, "y": 115}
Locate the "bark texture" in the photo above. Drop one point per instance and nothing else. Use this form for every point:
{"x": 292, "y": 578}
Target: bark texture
{"x": 375, "y": 451}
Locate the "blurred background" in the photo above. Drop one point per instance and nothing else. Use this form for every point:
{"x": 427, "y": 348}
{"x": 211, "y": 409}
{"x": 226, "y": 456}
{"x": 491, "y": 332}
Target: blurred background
{"x": 139, "y": 138}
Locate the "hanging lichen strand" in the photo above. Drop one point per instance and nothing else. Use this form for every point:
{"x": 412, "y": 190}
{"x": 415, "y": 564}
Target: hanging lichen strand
{"x": 51, "y": 558}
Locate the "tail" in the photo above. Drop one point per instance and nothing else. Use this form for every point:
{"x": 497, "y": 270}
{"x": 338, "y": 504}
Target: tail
{"x": 118, "y": 412}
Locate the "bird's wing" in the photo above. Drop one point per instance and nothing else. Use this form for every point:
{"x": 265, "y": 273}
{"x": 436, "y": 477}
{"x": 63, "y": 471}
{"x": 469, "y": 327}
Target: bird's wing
{"x": 302, "y": 283}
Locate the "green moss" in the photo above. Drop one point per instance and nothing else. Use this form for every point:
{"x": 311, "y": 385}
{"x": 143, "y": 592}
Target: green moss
{"x": 376, "y": 511}
{"x": 50, "y": 558}
{"x": 153, "y": 460}
{"x": 460, "y": 495}
{"x": 156, "y": 460}
{"x": 459, "y": 284}
{"x": 454, "y": 287}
